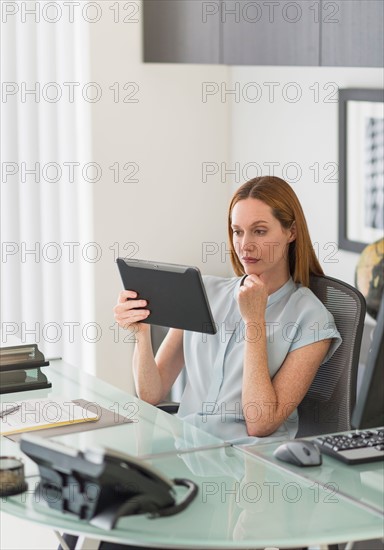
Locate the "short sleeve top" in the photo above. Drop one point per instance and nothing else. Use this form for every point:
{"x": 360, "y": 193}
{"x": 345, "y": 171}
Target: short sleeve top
{"x": 294, "y": 318}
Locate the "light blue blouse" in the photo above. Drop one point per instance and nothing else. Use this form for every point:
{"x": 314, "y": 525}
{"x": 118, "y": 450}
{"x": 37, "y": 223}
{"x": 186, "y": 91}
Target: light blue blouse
{"x": 295, "y": 317}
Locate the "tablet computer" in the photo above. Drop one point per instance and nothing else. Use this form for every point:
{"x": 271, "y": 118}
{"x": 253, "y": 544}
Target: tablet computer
{"x": 175, "y": 293}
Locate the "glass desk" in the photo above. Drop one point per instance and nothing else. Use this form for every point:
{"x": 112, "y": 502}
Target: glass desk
{"x": 360, "y": 483}
{"x": 242, "y": 503}
{"x": 146, "y": 430}
{"x": 245, "y": 499}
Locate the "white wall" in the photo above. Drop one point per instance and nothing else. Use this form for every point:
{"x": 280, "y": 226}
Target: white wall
{"x": 169, "y": 133}
{"x": 296, "y": 135}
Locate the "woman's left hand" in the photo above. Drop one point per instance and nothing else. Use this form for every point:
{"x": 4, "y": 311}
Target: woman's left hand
{"x": 252, "y": 299}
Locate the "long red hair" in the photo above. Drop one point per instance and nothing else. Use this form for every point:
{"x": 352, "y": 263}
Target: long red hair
{"x": 276, "y": 193}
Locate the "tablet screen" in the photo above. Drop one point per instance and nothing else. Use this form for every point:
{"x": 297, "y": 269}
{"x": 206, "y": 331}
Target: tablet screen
{"x": 175, "y": 294}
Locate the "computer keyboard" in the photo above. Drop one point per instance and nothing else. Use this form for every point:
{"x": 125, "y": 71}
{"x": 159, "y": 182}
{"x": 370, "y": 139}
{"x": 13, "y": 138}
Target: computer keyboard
{"x": 354, "y": 447}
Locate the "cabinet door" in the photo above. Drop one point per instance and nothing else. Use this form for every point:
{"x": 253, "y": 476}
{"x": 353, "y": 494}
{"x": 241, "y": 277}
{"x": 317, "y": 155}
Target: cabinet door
{"x": 276, "y": 32}
{"x": 352, "y": 33}
{"x": 181, "y": 31}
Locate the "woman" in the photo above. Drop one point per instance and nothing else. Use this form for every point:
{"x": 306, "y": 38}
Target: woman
{"x": 246, "y": 381}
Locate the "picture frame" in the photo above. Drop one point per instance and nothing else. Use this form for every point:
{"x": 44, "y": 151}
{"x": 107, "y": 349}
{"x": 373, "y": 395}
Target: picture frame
{"x": 361, "y": 130}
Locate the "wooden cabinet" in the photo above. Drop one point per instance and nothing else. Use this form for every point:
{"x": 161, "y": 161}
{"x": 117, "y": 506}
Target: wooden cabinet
{"x": 352, "y": 33}
{"x": 345, "y": 33}
{"x": 180, "y": 31}
{"x": 270, "y": 33}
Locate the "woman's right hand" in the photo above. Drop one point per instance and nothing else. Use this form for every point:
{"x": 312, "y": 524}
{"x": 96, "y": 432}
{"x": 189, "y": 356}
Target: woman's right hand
{"x": 126, "y": 314}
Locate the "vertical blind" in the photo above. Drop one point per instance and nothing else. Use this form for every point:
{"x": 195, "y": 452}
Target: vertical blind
{"x": 46, "y": 203}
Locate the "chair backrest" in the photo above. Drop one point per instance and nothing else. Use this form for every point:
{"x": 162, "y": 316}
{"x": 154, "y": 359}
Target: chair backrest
{"x": 328, "y": 404}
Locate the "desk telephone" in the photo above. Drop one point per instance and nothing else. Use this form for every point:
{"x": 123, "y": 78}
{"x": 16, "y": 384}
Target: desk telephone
{"x": 101, "y": 485}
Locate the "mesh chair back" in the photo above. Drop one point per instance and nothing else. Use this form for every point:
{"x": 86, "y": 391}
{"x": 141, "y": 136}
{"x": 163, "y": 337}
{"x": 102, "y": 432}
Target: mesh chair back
{"x": 328, "y": 405}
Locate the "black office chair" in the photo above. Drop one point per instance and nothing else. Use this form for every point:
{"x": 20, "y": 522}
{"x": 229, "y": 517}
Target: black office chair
{"x": 328, "y": 404}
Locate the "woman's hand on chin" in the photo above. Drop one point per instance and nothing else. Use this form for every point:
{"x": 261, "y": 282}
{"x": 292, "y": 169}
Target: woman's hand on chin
{"x": 252, "y": 299}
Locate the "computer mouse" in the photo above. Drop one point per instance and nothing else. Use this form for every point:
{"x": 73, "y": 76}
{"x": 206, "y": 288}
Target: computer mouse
{"x": 299, "y": 452}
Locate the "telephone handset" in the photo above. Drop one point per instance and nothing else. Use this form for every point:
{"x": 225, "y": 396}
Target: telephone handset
{"x": 100, "y": 485}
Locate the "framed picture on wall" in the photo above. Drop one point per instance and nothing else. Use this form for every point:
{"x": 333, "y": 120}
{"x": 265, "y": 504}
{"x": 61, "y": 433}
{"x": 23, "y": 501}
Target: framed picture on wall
{"x": 361, "y": 167}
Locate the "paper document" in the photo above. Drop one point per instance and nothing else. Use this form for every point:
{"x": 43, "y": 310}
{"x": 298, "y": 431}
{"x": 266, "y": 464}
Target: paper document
{"x": 37, "y": 414}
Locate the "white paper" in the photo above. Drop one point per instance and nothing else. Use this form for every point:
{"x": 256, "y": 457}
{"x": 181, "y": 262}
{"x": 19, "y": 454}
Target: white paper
{"x": 36, "y": 414}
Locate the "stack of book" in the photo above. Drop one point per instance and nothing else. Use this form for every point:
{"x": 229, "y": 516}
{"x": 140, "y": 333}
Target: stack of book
{"x": 20, "y": 369}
